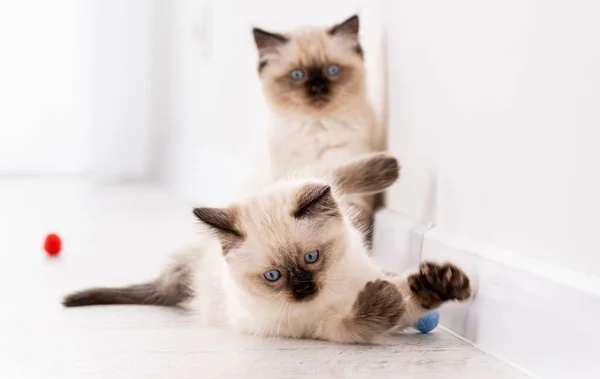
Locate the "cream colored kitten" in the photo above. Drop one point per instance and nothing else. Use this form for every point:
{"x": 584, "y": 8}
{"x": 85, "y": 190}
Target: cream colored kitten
{"x": 314, "y": 81}
{"x": 289, "y": 262}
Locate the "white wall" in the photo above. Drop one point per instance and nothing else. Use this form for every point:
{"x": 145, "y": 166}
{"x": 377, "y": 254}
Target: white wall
{"x": 494, "y": 110}
{"x": 40, "y": 128}
{"x": 77, "y": 88}
{"x": 118, "y": 88}
{"x": 214, "y": 124}
{"x": 218, "y": 115}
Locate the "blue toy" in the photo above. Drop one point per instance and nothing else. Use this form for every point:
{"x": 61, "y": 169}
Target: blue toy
{"x": 428, "y": 322}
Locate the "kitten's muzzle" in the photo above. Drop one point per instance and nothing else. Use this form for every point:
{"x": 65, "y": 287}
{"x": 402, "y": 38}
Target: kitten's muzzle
{"x": 317, "y": 84}
{"x": 301, "y": 283}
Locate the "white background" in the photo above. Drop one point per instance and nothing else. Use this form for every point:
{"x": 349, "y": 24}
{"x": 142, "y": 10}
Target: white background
{"x": 39, "y": 59}
{"x": 494, "y": 109}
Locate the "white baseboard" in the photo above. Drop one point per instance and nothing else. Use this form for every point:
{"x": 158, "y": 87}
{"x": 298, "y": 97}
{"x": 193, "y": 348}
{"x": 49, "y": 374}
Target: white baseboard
{"x": 535, "y": 315}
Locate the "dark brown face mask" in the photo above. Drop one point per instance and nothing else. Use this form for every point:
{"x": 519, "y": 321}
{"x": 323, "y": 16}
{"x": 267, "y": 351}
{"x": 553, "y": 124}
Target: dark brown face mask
{"x": 301, "y": 283}
{"x": 317, "y": 84}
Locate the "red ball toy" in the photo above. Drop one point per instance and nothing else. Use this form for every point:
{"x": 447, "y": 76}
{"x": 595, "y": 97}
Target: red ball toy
{"x": 52, "y": 244}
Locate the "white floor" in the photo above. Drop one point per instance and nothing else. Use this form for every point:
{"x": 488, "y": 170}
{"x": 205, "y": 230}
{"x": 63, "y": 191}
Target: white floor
{"x": 118, "y": 235}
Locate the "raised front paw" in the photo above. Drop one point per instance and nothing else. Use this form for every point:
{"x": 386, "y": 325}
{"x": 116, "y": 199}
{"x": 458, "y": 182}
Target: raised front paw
{"x": 378, "y": 306}
{"x": 436, "y": 283}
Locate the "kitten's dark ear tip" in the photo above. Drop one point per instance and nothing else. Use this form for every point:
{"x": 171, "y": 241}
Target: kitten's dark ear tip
{"x": 321, "y": 189}
{"x": 202, "y": 214}
{"x": 350, "y": 26}
{"x": 258, "y": 33}
{"x": 223, "y": 219}
{"x": 315, "y": 199}
{"x": 264, "y": 39}
{"x": 197, "y": 212}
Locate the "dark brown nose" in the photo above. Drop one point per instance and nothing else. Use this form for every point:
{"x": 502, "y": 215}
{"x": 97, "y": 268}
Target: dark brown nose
{"x": 301, "y": 290}
{"x": 317, "y": 87}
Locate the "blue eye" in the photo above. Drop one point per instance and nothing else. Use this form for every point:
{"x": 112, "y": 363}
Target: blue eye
{"x": 272, "y": 275}
{"x": 297, "y": 74}
{"x": 311, "y": 257}
{"x": 333, "y": 69}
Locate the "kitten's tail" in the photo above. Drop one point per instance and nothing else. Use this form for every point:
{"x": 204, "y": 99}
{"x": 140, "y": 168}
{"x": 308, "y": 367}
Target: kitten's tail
{"x": 369, "y": 174}
{"x": 173, "y": 287}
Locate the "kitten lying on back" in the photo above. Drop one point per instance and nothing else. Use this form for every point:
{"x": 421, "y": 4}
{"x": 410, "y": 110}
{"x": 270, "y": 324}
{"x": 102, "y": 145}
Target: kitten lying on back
{"x": 314, "y": 81}
{"x": 289, "y": 262}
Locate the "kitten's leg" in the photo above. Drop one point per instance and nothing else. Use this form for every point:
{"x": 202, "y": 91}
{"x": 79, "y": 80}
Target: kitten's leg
{"x": 171, "y": 288}
{"x": 377, "y": 309}
{"x": 427, "y": 289}
{"x": 362, "y": 180}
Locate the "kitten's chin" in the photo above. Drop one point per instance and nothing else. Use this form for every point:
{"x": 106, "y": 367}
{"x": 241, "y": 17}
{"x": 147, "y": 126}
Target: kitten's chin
{"x": 307, "y": 106}
{"x": 303, "y": 299}
{"x": 319, "y": 103}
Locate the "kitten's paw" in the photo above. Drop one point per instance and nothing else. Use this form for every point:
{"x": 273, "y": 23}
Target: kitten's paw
{"x": 436, "y": 283}
{"x": 386, "y": 166}
{"x": 378, "y": 306}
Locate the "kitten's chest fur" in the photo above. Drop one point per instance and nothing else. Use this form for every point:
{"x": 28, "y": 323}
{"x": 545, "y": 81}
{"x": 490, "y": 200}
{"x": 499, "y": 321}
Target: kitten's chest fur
{"x": 318, "y": 141}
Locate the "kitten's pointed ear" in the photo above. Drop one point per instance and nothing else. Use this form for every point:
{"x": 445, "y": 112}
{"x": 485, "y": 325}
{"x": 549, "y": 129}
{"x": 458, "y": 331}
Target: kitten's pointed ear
{"x": 315, "y": 200}
{"x": 348, "y": 28}
{"x": 266, "y": 41}
{"x": 224, "y": 223}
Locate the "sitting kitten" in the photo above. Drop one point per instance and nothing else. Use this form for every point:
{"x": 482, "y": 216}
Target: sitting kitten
{"x": 314, "y": 83}
{"x": 288, "y": 262}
